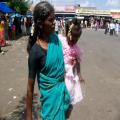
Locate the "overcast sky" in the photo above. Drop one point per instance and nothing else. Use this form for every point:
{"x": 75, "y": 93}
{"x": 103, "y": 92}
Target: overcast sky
{"x": 100, "y": 4}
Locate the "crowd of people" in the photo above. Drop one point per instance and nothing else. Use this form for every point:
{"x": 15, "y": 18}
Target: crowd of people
{"x": 13, "y": 27}
{"x": 113, "y": 28}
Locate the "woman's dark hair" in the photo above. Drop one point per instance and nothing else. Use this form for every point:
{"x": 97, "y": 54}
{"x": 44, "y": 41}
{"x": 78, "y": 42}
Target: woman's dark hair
{"x": 74, "y": 21}
{"x": 41, "y": 12}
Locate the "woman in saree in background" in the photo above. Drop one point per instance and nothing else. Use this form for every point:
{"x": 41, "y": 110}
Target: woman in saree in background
{"x": 2, "y": 34}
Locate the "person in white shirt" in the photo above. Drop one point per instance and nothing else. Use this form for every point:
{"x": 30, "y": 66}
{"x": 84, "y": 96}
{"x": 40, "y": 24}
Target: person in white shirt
{"x": 56, "y": 26}
{"x": 117, "y": 28}
{"x": 111, "y": 28}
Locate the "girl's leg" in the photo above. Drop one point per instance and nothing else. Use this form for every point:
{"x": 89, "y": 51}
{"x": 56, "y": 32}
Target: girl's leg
{"x": 0, "y": 49}
{"x": 69, "y": 111}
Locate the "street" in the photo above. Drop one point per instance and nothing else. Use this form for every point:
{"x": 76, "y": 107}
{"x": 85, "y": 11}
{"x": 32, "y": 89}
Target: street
{"x": 100, "y": 67}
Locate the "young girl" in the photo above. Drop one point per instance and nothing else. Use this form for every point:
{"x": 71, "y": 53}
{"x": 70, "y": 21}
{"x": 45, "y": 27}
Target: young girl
{"x": 72, "y": 58}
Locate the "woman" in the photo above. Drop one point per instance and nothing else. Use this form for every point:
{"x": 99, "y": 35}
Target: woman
{"x": 46, "y": 61}
{"x": 2, "y": 34}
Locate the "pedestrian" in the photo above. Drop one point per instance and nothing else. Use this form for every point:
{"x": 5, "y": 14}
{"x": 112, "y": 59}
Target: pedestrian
{"x": 86, "y": 23}
{"x": 22, "y": 26}
{"x": 111, "y": 28}
{"x": 2, "y": 36}
{"x": 56, "y": 26}
{"x": 2, "y": 33}
{"x": 106, "y": 28}
{"x": 46, "y": 61}
{"x": 62, "y": 26}
{"x": 13, "y": 32}
{"x": 28, "y": 25}
{"x": 72, "y": 58}
{"x": 114, "y": 33}
{"x": 117, "y": 28}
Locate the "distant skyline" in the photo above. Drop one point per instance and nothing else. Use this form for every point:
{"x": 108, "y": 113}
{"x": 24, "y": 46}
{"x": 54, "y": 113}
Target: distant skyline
{"x": 99, "y": 4}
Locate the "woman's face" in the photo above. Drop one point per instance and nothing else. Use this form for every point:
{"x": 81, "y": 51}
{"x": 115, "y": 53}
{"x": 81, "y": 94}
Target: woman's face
{"x": 49, "y": 24}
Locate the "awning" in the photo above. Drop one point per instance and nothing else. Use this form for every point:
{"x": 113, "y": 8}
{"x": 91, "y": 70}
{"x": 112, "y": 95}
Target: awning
{"x": 5, "y": 9}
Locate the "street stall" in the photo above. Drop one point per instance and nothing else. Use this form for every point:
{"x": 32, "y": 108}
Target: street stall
{"x": 4, "y": 22}
{"x": 4, "y": 8}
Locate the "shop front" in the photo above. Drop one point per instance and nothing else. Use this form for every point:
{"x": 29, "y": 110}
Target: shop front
{"x": 115, "y": 14}
{"x": 65, "y": 11}
{"x": 91, "y": 15}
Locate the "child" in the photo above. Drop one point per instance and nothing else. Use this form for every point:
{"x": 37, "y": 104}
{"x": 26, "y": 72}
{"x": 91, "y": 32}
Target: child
{"x": 72, "y": 58}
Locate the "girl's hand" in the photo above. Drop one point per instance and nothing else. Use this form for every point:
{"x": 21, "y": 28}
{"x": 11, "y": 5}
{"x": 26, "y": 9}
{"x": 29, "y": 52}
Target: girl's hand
{"x": 82, "y": 80}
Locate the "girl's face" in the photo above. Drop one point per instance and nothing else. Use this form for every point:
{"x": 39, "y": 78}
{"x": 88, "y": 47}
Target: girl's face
{"x": 75, "y": 35}
{"x": 49, "y": 24}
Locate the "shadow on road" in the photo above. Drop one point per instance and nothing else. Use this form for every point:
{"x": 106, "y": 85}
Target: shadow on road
{"x": 20, "y": 112}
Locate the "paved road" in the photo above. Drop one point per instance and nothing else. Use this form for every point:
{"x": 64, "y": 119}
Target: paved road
{"x": 100, "y": 68}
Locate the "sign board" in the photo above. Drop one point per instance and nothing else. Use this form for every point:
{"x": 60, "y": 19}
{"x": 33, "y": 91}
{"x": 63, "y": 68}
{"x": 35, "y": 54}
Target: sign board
{"x": 116, "y": 15}
{"x": 64, "y": 8}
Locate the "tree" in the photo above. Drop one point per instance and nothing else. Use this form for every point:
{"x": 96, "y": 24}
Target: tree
{"x": 20, "y": 6}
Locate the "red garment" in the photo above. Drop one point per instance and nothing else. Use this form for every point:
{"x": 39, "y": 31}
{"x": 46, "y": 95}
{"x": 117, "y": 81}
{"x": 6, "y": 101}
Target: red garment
{"x": 2, "y": 43}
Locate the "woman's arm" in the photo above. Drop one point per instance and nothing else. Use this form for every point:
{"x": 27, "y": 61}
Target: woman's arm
{"x": 32, "y": 71}
{"x": 30, "y": 90}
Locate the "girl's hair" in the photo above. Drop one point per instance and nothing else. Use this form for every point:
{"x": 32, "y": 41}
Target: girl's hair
{"x": 74, "y": 21}
{"x": 41, "y": 12}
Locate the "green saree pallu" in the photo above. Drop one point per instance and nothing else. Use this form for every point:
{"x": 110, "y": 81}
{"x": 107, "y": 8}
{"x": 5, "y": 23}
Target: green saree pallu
{"x": 55, "y": 98}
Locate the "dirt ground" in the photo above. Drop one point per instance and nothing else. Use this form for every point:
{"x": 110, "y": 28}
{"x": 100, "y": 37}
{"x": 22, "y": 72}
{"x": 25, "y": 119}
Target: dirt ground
{"x": 100, "y": 68}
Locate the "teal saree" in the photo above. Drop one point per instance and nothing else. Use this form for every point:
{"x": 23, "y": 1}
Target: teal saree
{"x": 55, "y": 98}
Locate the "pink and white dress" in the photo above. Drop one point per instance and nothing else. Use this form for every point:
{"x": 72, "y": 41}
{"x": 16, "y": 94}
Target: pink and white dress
{"x": 71, "y": 78}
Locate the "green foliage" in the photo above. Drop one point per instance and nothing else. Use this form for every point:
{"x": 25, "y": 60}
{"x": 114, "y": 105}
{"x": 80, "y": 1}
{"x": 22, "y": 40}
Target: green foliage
{"x": 20, "y": 6}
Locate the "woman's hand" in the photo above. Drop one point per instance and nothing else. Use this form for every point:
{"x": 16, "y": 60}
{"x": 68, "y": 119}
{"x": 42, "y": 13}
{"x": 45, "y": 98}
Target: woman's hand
{"x": 30, "y": 89}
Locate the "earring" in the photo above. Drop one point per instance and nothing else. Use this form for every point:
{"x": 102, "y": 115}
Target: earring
{"x": 32, "y": 30}
{"x": 70, "y": 37}
{"x": 40, "y": 26}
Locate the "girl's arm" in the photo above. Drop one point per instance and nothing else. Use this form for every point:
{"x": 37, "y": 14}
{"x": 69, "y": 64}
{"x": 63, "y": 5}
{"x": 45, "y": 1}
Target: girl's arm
{"x": 30, "y": 90}
{"x": 78, "y": 67}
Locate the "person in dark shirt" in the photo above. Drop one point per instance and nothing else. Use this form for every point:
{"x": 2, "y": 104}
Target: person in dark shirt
{"x": 46, "y": 62}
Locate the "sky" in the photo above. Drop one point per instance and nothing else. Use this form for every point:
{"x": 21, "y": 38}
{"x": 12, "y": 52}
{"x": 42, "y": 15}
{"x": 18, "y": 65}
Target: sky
{"x": 99, "y": 4}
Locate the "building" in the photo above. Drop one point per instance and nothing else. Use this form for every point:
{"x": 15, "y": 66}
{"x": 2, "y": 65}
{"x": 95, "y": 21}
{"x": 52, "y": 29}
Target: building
{"x": 65, "y": 11}
{"x": 93, "y": 14}
{"x": 115, "y": 14}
